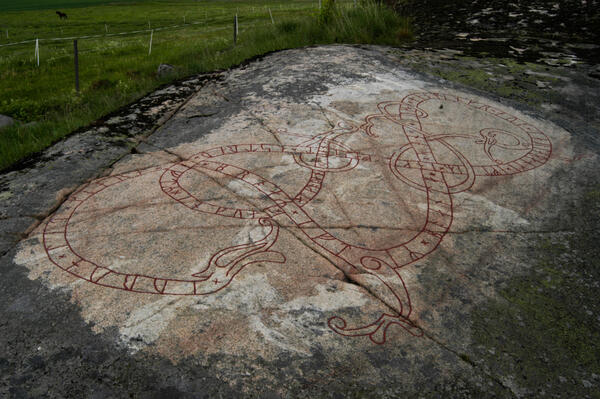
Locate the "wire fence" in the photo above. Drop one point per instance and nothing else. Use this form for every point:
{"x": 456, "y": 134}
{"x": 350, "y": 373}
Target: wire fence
{"x": 105, "y": 35}
{"x": 208, "y": 22}
{"x": 35, "y": 61}
{"x": 65, "y": 51}
{"x": 211, "y": 16}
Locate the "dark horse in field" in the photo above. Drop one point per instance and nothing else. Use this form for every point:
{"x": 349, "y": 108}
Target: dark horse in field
{"x": 61, "y": 15}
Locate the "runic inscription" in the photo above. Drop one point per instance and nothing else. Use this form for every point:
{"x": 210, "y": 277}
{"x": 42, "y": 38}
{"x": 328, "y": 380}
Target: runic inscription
{"x": 433, "y": 162}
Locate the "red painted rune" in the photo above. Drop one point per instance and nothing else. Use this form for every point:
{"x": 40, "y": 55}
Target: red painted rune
{"x": 434, "y": 163}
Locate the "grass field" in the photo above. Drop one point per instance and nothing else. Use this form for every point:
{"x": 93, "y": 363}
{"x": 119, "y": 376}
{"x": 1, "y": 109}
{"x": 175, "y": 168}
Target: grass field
{"x": 116, "y": 67}
{"x": 20, "y": 5}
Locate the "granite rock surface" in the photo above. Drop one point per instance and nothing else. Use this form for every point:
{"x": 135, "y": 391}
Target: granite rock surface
{"x": 318, "y": 222}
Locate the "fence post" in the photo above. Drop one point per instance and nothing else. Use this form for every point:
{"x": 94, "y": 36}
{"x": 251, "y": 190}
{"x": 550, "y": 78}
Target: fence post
{"x": 235, "y": 29}
{"x": 37, "y": 51}
{"x": 76, "y": 53}
{"x": 319, "y": 4}
{"x": 272, "y": 21}
{"x": 106, "y": 28}
{"x": 150, "y": 47}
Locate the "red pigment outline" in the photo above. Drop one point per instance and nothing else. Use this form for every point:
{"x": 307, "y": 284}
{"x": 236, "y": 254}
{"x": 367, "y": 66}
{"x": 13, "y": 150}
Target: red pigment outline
{"x": 384, "y": 264}
{"x": 104, "y": 276}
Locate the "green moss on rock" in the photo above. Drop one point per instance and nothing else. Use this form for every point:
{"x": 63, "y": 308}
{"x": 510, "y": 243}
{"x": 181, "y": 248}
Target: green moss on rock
{"x": 543, "y": 333}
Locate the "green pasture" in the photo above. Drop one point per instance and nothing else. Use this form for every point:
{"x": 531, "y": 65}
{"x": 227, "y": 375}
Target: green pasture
{"x": 20, "y": 5}
{"x": 127, "y": 16}
{"x": 116, "y": 67}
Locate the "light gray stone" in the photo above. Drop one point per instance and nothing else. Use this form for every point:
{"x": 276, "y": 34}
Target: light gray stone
{"x": 165, "y": 70}
{"x": 6, "y": 121}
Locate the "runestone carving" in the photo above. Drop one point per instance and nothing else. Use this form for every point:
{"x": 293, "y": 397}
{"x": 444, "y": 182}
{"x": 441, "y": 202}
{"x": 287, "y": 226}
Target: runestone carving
{"x": 436, "y": 163}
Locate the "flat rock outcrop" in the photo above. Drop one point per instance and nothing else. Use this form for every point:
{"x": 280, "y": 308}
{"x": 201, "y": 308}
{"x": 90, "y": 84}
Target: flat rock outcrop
{"x": 317, "y": 222}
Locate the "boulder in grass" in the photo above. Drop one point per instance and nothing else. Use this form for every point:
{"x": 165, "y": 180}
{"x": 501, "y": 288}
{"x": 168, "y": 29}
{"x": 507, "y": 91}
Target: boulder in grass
{"x": 6, "y": 121}
{"x": 165, "y": 70}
